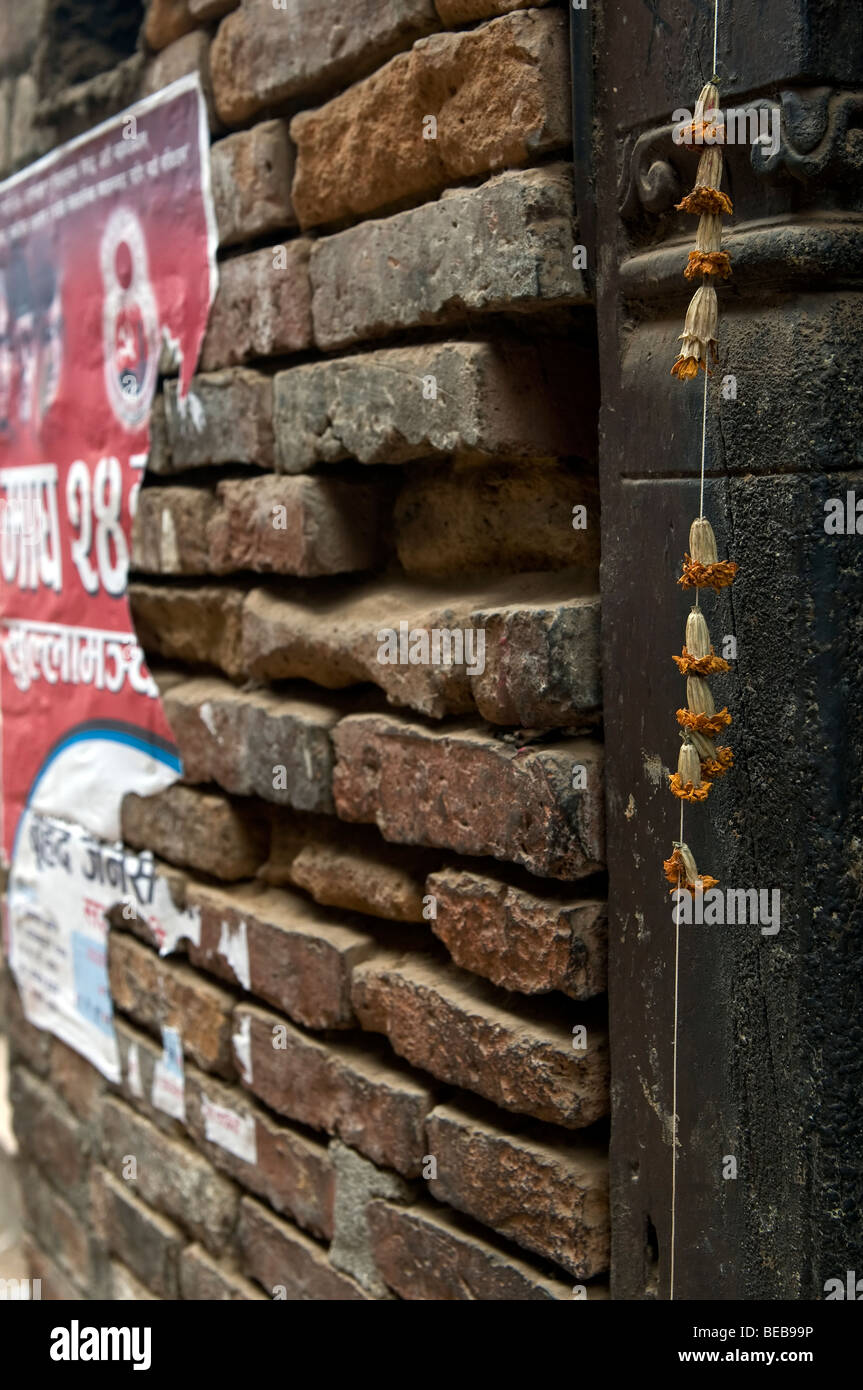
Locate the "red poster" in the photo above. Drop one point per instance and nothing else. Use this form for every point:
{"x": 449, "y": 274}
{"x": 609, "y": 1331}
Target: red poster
{"x": 107, "y": 261}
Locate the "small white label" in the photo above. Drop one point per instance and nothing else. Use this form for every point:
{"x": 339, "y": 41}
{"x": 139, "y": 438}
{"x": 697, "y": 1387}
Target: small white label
{"x": 234, "y": 946}
{"x": 230, "y": 1131}
{"x": 133, "y": 1071}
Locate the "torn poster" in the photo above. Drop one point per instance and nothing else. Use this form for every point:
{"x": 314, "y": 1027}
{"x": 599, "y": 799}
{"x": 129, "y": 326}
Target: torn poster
{"x": 107, "y": 258}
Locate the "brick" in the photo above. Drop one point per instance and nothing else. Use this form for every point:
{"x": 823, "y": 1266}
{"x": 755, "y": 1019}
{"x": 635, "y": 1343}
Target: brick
{"x": 391, "y": 771}
{"x": 466, "y": 11}
{"x": 292, "y": 953}
{"x": 459, "y": 518}
{"x": 238, "y": 738}
{"x": 362, "y": 874}
{"x": 351, "y": 1091}
{"x": 136, "y": 1083}
{"x": 159, "y": 455}
{"x": 49, "y": 1135}
{"x": 19, "y": 32}
{"x": 293, "y": 1172}
{"x": 520, "y": 940}
{"x": 125, "y": 1288}
{"x": 170, "y": 1175}
{"x": 357, "y": 1182}
{"x": 501, "y": 399}
{"x": 147, "y": 1242}
{"x": 227, "y": 417}
{"x": 26, "y": 1042}
{"x": 200, "y": 625}
{"x": 423, "y": 1255}
{"x": 166, "y": 21}
{"x": 205, "y": 10}
{"x": 188, "y": 54}
{"x": 28, "y": 140}
{"x": 263, "y": 306}
{"x": 203, "y": 1279}
{"x": 79, "y": 1084}
{"x": 514, "y": 70}
{"x": 542, "y": 653}
{"x": 546, "y": 1194}
{"x": 263, "y": 57}
{"x": 56, "y": 1227}
{"x": 197, "y": 829}
{"x": 460, "y": 1030}
{"x": 169, "y": 535}
{"x": 157, "y": 993}
{"x": 505, "y": 246}
{"x": 280, "y": 1257}
{"x": 251, "y": 174}
{"x": 56, "y": 1286}
{"x": 303, "y": 526}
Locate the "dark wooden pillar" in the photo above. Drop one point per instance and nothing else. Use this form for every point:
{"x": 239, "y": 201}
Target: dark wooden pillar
{"x": 771, "y": 1027}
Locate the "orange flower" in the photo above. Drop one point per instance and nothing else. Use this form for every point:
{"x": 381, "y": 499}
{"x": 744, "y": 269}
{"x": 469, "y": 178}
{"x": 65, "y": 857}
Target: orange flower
{"x": 717, "y": 576}
{"x": 700, "y": 665}
{"x": 675, "y": 871}
{"x": 718, "y": 766}
{"x": 685, "y": 368}
{"x": 710, "y": 724}
{"x": 689, "y": 792}
{"x": 703, "y": 199}
{"x": 708, "y": 263}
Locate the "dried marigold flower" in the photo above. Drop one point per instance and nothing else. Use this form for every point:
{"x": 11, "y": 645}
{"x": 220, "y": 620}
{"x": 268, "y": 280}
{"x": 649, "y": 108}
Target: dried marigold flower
{"x": 704, "y": 723}
{"x": 718, "y": 766}
{"x": 710, "y": 665}
{"x": 688, "y": 791}
{"x": 708, "y": 263}
{"x": 699, "y": 334}
{"x": 680, "y": 871}
{"x": 705, "y": 199}
{"x": 716, "y": 577}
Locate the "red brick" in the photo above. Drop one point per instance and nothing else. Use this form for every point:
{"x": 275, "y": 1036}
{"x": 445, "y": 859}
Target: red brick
{"x": 171, "y": 1176}
{"x": 279, "y": 1256}
{"x": 76, "y": 1080}
{"x": 299, "y": 957}
{"x": 170, "y": 531}
{"x": 462, "y": 1031}
{"x": 520, "y": 940}
{"x": 188, "y": 54}
{"x": 125, "y": 1288}
{"x": 227, "y": 417}
{"x": 56, "y": 1286}
{"x": 198, "y": 830}
{"x": 515, "y": 71}
{"x": 251, "y": 176}
{"x": 291, "y": 1171}
{"x": 166, "y": 21}
{"x": 157, "y": 993}
{"x": 263, "y": 307}
{"x": 343, "y": 1088}
{"x": 56, "y": 1227}
{"x": 391, "y": 771}
{"x": 204, "y": 1279}
{"x": 144, "y": 1240}
{"x": 196, "y": 625}
{"x": 424, "y": 1255}
{"x": 544, "y": 1192}
{"x": 50, "y": 1136}
{"x": 466, "y": 11}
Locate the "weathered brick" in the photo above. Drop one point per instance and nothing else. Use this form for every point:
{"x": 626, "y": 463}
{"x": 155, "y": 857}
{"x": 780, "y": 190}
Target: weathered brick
{"x": 205, "y": 10}
{"x": 203, "y": 1279}
{"x": 56, "y": 1227}
{"x": 302, "y": 526}
{"x": 56, "y": 1286}
{"x": 424, "y": 1255}
{"x": 200, "y": 625}
{"x": 197, "y": 829}
{"x": 504, "y": 246}
{"x": 349, "y": 1090}
{"x": 280, "y": 1257}
{"x": 239, "y": 738}
{"x": 291, "y": 1171}
{"x": 357, "y": 1182}
{"x": 282, "y": 948}
{"x": 459, "y": 518}
{"x": 227, "y": 417}
{"x": 263, "y": 57}
{"x": 501, "y": 399}
{"x": 251, "y": 175}
{"x": 78, "y": 1082}
{"x": 263, "y": 307}
{"x": 188, "y": 54}
{"x": 170, "y": 531}
{"x": 170, "y": 1176}
{"x": 514, "y": 70}
{"x": 545, "y": 1193}
{"x": 462, "y": 1031}
{"x": 362, "y": 874}
{"x": 26, "y": 1042}
{"x": 49, "y": 1135}
{"x": 466, "y": 11}
{"x": 391, "y": 771}
{"x": 158, "y": 993}
{"x": 125, "y": 1288}
{"x": 518, "y": 939}
{"x": 19, "y": 32}
{"x": 139, "y": 1057}
{"x": 143, "y": 1239}
{"x": 166, "y": 21}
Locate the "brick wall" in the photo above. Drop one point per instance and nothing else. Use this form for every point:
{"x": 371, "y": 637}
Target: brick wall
{"x": 399, "y": 868}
